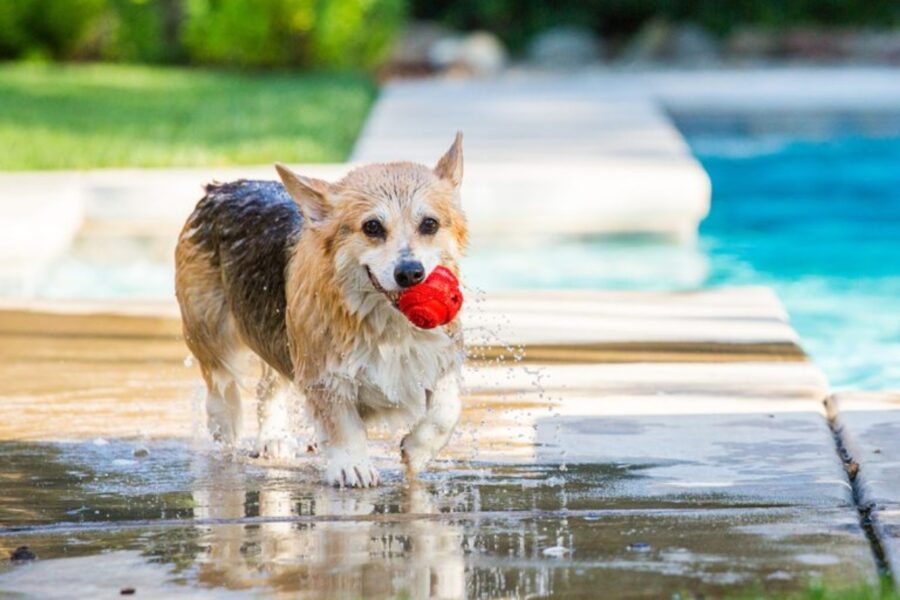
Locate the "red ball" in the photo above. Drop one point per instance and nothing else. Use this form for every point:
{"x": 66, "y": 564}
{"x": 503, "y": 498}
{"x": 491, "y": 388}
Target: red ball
{"x": 436, "y": 301}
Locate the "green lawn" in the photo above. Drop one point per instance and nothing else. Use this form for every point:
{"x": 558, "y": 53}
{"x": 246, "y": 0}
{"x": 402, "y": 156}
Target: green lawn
{"x": 92, "y": 116}
{"x": 861, "y": 591}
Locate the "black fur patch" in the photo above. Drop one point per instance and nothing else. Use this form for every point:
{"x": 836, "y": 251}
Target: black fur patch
{"x": 250, "y": 228}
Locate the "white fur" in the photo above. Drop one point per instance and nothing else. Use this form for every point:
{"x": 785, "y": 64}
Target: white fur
{"x": 223, "y": 407}
{"x": 433, "y": 430}
{"x": 276, "y": 439}
{"x": 346, "y": 456}
{"x": 394, "y": 362}
{"x": 396, "y": 366}
{"x": 390, "y": 372}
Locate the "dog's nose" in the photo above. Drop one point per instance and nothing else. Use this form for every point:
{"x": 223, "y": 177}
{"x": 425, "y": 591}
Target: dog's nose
{"x": 409, "y": 272}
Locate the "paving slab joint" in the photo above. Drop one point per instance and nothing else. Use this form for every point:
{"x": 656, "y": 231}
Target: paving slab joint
{"x": 867, "y": 509}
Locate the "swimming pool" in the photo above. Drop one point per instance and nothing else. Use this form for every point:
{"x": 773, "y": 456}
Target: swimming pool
{"x": 818, "y": 220}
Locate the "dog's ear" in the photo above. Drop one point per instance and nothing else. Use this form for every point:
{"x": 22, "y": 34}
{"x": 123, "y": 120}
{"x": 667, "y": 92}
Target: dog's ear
{"x": 450, "y": 166}
{"x": 311, "y": 195}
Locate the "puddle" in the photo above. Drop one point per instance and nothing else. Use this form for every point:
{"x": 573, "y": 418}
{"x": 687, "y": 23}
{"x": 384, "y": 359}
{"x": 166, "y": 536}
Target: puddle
{"x": 178, "y": 522}
{"x": 474, "y": 557}
{"x": 114, "y": 481}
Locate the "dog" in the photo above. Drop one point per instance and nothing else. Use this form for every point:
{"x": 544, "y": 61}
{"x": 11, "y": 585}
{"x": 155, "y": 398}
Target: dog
{"x": 305, "y": 275}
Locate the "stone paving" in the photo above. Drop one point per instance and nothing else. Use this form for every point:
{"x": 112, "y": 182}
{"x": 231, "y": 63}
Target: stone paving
{"x": 698, "y": 461}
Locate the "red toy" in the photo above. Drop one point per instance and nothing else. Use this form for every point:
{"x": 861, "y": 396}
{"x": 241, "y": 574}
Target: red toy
{"x": 435, "y": 301}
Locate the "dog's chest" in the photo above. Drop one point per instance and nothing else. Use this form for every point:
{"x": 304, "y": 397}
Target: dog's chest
{"x": 396, "y": 371}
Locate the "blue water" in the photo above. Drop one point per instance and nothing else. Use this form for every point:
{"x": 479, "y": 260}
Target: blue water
{"x": 817, "y": 220}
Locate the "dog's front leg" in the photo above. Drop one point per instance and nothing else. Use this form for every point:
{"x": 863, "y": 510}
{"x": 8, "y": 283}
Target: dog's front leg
{"x": 342, "y": 437}
{"x": 431, "y": 434}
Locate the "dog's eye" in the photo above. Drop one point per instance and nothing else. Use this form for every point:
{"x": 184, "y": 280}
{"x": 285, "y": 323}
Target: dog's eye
{"x": 428, "y": 226}
{"x": 373, "y": 228}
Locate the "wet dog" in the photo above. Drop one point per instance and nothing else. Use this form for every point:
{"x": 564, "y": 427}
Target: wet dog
{"x": 305, "y": 275}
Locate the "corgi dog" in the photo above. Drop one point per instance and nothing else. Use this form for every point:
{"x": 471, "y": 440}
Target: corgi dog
{"x": 305, "y": 275}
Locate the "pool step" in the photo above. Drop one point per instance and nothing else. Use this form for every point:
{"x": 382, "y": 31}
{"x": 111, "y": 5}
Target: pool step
{"x": 635, "y": 345}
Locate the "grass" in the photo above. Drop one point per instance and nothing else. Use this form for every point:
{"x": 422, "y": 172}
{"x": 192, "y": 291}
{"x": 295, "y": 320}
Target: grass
{"x": 861, "y": 591}
{"x": 94, "y": 116}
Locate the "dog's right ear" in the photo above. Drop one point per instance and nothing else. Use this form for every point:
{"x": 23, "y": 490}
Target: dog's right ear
{"x": 311, "y": 195}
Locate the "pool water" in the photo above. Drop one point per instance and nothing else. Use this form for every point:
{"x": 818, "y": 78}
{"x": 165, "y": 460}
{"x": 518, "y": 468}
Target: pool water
{"x": 818, "y": 220}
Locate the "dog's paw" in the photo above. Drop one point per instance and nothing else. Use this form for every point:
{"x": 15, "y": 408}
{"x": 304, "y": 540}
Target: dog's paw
{"x": 414, "y": 456}
{"x": 348, "y": 470}
{"x": 276, "y": 449}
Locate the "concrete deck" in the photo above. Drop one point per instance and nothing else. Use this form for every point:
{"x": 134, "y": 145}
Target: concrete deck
{"x": 608, "y": 155}
{"x": 662, "y": 461}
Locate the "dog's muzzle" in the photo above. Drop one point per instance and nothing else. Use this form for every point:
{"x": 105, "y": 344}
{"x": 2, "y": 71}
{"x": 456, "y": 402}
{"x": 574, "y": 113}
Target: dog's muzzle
{"x": 393, "y": 297}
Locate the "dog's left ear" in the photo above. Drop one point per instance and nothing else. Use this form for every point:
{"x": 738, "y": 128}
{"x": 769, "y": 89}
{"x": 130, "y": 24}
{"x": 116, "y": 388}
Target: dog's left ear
{"x": 311, "y": 195}
{"x": 450, "y": 166}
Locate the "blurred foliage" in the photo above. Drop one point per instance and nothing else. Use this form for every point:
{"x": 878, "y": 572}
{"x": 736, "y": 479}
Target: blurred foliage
{"x": 247, "y": 33}
{"x": 142, "y": 31}
{"x": 337, "y": 38}
{"x": 334, "y": 33}
{"x": 48, "y": 28}
{"x": 515, "y": 21}
{"x": 357, "y": 33}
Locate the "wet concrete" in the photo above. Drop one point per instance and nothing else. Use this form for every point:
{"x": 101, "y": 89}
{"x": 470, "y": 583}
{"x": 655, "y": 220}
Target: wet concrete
{"x": 179, "y": 520}
{"x": 637, "y": 478}
{"x": 869, "y": 423}
{"x": 478, "y": 557}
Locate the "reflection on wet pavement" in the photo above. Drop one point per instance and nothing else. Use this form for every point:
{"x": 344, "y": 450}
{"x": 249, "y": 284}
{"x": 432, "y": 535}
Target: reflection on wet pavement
{"x": 166, "y": 519}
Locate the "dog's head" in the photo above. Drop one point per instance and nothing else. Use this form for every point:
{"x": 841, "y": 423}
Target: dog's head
{"x": 386, "y": 226}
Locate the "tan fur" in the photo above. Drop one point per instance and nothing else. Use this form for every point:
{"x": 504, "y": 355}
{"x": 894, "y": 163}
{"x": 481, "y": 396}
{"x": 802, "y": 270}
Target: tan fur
{"x": 208, "y": 326}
